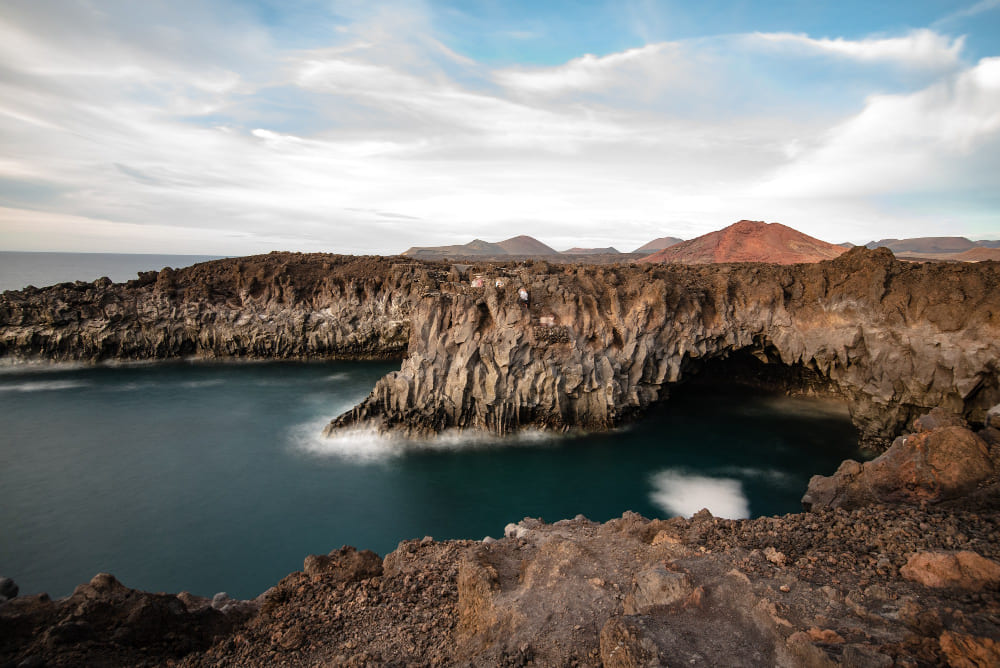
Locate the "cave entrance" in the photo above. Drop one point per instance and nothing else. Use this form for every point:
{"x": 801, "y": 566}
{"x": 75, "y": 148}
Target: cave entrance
{"x": 759, "y": 368}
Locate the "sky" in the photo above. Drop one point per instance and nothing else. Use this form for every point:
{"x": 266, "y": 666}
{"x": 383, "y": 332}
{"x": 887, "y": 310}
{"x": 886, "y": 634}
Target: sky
{"x": 234, "y": 127}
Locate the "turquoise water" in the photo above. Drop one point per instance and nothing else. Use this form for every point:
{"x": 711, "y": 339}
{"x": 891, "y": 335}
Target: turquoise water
{"x": 213, "y": 477}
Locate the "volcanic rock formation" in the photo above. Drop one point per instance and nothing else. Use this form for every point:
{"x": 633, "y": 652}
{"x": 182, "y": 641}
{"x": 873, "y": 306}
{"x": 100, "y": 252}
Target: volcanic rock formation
{"x": 598, "y": 346}
{"x": 749, "y": 241}
{"x": 281, "y": 305}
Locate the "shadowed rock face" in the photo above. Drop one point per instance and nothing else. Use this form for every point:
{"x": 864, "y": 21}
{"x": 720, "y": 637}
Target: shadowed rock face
{"x": 599, "y": 345}
{"x": 281, "y": 305}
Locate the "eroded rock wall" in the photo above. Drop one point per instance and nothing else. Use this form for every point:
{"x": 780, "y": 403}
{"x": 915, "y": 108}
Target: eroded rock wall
{"x": 281, "y": 305}
{"x": 598, "y": 345}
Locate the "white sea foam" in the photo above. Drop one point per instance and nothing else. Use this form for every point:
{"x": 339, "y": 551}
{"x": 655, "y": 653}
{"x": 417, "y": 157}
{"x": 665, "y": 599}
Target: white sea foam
{"x": 679, "y": 493}
{"x": 772, "y": 476}
{"x": 365, "y": 444}
{"x": 195, "y": 384}
{"x": 43, "y": 386}
{"x": 361, "y": 445}
{"x": 342, "y": 375}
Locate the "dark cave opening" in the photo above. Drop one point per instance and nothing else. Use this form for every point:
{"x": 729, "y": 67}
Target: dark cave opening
{"x": 759, "y": 368}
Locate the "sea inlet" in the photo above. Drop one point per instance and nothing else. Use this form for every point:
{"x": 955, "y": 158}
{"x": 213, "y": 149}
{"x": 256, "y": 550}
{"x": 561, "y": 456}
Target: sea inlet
{"x": 215, "y": 477}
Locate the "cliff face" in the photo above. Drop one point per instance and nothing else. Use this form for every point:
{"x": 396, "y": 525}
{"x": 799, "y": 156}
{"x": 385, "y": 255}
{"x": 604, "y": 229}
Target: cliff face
{"x": 599, "y": 345}
{"x": 282, "y": 305}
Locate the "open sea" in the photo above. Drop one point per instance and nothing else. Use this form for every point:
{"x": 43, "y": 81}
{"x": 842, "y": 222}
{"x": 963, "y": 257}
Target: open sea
{"x": 18, "y": 270}
{"x": 215, "y": 477}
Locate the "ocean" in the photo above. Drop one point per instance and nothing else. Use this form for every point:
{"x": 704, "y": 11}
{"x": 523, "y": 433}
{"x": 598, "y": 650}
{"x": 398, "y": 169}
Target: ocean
{"x": 210, "y": 477}
{"x": 18, "y": 270}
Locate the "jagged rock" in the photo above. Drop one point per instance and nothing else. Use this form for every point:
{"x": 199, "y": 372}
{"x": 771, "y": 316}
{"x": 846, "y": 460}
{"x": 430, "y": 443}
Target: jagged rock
{"x": 625, "y": 644}
{"x": 992, "y": 418}
{"x": 930, "y": 466}
{"x": 967, "y": 651}
{"x": 937, "y": 418}
{"x": 109, "y": 623}
{"x": 894, "y": 339}
{"x": 656, "y": 586}
{"x": 281, "y": 305}
{"x": 964, "y": 570}
{"x": 344, "y": 565}
{"x": 8, "y": 589}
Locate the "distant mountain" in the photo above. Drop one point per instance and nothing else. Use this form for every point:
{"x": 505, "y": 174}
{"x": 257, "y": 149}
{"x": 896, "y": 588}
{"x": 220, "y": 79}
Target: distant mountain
{"x": 749, "y": 241}
{"x": 988, "y": 243}
{"x": 846, "y": 244}
{"x": 978, "y": 254}
{"x": 525, "y": 245}
{"x": 592, "y": 251}
{"x": 522, "y": 245}
{"x": 658, "y": 244}
{"x": 919, "y": 245}
{"x": 476, "y": 247}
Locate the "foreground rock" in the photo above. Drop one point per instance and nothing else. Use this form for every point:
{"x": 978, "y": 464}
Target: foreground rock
{"x": 944, "y": 460}
{"x": 104, "y": 623}
{"x": 814, "y": 589}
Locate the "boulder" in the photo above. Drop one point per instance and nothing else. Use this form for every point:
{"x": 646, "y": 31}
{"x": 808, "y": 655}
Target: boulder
{"x": 657, "y": 586}
{"x": 947, "y": 462}
{"x": 962, "y": 570}
{"x": 962, "y": 649}
{"x": 8, "y": 589}
{"x": 344, "y": 565}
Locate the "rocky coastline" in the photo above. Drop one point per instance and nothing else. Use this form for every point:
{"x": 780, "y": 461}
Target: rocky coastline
{"x": 594, "y": 347}
{"x": 895, "y": 563}
{"x": 883, "y": 584}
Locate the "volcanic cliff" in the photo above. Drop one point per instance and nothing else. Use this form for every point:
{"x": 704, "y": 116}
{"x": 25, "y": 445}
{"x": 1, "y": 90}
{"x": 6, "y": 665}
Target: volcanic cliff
{"x": 596, "y": 346}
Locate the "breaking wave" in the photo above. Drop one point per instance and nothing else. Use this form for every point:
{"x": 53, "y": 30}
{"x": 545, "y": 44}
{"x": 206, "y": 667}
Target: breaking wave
{"x": 771, "y": 476}
{"x": 679, "y": 493}
{"x": 367, "y": 445}
{"x": 43, "y": 386}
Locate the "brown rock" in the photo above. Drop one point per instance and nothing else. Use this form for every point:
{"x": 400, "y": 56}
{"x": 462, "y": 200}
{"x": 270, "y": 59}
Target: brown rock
{"x": 931, "y": 466}
{"x": 966, "y": 651}
{"x": 964, "y": 570}
{"x": 657, "y": 586}
{"x": 827, "y": 636}
{"x": 937, "y": 418}
{"x": 624, "y": 644}
{"x": 344, "y": 565}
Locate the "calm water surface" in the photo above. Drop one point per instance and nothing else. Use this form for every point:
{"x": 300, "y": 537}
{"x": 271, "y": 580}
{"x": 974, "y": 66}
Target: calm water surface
{"x": 18, "y": 270}
{"x": 214, "y": 477}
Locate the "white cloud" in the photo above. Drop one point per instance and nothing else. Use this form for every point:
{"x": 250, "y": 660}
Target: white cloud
{"x": 968, "y": 12}
{"x": 921, "y": 48}
{"x": 134, "y": 135}
{"x": 586, "y": 72}
{"x": 905, "y": 142}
